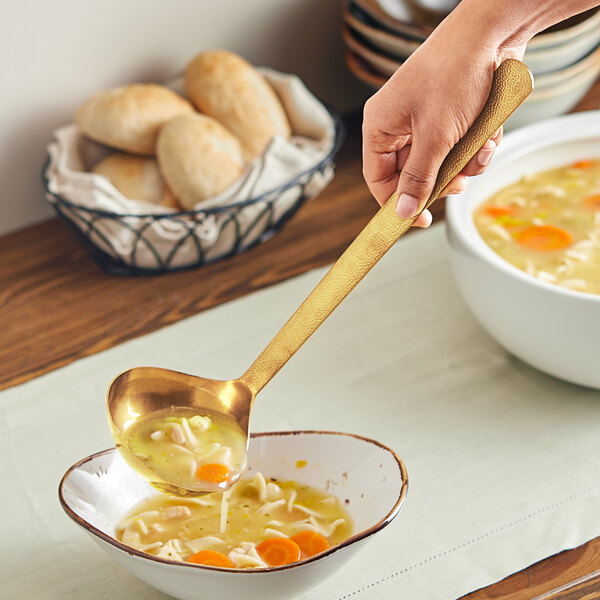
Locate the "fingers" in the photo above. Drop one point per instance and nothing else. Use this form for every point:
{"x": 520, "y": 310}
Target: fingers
{"x": 459, "y": 183}
{"x": 383, "y": 157}
{"x": 475, "y": 166}
{"x": 380, "y": 173}
{"x": 479, "y": 163}
{"x": 424, "y": 219}
{"x": 415, "y": 183}
{"x": 418, "y": 176}
{"x": 411, "y": 171}
{"x": 457, "y": 186}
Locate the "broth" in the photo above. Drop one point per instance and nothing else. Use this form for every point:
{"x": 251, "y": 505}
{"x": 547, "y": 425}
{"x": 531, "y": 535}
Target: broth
{"x": 548, "y": 225}
{"x": 237, "y": 525}
{"x": 199, "y": 453}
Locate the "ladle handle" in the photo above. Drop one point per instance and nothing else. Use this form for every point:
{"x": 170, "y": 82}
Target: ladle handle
{"x": 512, "y": 83}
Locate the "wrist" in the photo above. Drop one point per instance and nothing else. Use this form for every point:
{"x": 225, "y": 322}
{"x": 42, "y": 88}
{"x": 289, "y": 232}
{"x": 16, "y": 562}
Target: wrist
{"x": 498, "y": 23}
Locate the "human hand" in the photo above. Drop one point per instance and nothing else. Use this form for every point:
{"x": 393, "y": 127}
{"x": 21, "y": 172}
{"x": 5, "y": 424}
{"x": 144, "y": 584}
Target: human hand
{"x": 416, "y": 118}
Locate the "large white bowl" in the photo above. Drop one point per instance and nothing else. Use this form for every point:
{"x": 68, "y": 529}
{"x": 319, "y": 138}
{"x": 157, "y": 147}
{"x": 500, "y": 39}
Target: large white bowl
{"x": 366, "y": 475}
{"x": 552, "y": 328}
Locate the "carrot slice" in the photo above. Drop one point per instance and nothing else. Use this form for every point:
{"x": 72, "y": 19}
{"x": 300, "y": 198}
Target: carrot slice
{"x": 211, "y": 558}
{"x": 310, "y": 542}
{"x": 584, "y": 164}
{"x": 592, "y": 202}
{"x": 213, "y": 473}
{"x": 544, "y": 237}
{"x": 499, "y": 211}
{"x": 279, "y": 551}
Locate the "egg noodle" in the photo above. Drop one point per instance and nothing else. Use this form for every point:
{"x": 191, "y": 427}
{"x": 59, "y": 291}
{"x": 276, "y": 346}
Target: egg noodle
{"x": 257, "y": 523}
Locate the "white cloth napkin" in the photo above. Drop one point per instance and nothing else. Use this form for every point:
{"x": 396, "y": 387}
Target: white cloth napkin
{"x": 71, "y": 155}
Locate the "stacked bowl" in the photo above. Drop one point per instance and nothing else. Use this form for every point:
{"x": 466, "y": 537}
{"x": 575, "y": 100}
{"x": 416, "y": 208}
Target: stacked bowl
{"x": 565, "y": 59}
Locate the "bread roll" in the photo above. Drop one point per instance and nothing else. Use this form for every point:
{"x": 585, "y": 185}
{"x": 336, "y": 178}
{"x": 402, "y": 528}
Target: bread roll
{"x": 136, "y": 178}
{"x": 198, "y": 157}
{"x": 129, "y": 117}
{"x": 226, "y": 87}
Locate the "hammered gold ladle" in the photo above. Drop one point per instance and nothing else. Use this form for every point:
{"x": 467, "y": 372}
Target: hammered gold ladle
{"x": 139, "y": 392}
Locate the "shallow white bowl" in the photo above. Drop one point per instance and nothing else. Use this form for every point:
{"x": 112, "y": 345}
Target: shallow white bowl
{"x": 547, "y": 52}
{"x": 381, "y": 39}
{"x": 565, "y": 32}
{"x": 552, "y": 328}
{"x": 589, "y": 63}
{"x": 558, "y": 97}
{"x": 551, "y": 58}
{"x": 586, "y": 69}
{"x": 366, "y": 475}
{"x": 377, "y": 61}
{"x": 396, "y": 16}
{"x": 554, "y": 93}
{"x": 363, "y": 71}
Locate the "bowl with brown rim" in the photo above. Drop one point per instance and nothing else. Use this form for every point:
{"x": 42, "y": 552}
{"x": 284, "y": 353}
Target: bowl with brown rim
{"x": 367, "y": 476}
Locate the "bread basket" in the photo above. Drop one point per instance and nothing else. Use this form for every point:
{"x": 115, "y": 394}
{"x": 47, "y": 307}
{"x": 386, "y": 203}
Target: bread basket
{"x": 151, "y": 240}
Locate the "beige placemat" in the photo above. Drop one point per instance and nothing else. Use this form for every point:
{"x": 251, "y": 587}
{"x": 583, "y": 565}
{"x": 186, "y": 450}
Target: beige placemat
{"x": 502, "y": 460}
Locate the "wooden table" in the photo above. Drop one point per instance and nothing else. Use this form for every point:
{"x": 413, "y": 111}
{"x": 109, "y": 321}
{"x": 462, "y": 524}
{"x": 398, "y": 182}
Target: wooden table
{"x": 58, "y": 306}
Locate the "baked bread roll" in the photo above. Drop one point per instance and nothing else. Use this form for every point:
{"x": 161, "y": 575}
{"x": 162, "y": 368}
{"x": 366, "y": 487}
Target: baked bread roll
{"x": 129, "y": 117}
{"x": 136, "y": 178}
{"x": 229, "y": 89}
{"x": 198, "y": 157}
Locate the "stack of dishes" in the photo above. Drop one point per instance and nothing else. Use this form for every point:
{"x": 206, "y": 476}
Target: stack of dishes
{"x": 565, "y": 59}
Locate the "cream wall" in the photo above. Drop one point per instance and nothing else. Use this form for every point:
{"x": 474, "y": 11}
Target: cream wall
{"x": 54, "y": 54}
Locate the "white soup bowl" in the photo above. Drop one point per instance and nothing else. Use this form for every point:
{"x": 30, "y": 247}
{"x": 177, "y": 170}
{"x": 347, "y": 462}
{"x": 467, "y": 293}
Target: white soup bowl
{"x": 552, "y": 328}
{"x": 365, "y": 475}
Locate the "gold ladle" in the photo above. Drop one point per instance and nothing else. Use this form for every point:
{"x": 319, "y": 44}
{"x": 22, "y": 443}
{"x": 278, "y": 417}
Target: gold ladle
{"x": 143, "y": 391}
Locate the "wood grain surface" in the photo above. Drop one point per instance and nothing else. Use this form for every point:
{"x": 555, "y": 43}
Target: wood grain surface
{"x": 57, "y": 305}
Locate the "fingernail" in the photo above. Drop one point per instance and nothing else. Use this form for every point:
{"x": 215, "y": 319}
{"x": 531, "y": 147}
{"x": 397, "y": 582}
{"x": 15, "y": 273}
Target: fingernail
{"x": 427, "y": 218}
{"x": 485, "y": 154}
{"x": 407, "y": 206}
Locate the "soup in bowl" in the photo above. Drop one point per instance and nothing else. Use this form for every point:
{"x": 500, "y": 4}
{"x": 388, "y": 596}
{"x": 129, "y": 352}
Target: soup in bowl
{"x": 365, "y": 479}
{"x": 548, "y": 225}
{"x": 526, "y": 306}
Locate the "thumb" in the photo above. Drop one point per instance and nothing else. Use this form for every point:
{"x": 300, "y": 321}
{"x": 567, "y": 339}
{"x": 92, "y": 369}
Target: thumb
{"x": 418, "y": 176}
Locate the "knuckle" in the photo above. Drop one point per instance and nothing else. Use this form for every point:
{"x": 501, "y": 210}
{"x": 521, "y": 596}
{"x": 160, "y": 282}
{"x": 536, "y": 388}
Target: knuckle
{"x": 370, "y": 111}
{"x": 419, "y": 178}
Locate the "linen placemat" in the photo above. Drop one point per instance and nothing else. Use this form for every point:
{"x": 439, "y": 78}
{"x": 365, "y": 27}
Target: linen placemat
{"x": 502, "y": 460}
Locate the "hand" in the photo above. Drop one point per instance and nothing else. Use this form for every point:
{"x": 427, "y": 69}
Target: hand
{"x": 416, "y": 118}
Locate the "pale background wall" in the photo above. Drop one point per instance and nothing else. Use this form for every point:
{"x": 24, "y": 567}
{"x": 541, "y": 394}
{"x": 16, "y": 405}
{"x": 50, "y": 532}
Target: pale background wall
{"x": 54, "y": 54}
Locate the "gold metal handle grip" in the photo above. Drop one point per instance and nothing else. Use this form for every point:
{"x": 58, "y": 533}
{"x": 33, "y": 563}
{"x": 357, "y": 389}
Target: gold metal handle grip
{"x": 512, "y": 83}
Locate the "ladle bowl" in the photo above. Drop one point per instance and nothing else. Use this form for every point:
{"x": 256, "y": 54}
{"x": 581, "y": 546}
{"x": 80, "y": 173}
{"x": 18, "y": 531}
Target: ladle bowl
{"x": 144, "y": 391}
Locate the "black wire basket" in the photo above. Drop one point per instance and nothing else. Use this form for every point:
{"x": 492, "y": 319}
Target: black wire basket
{"x": 127, "y": 244}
